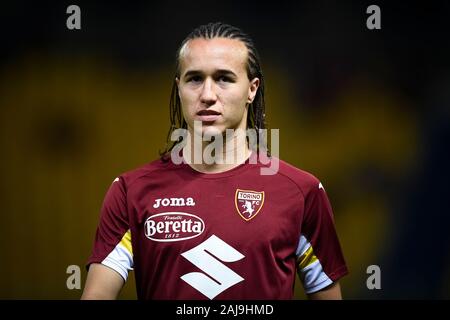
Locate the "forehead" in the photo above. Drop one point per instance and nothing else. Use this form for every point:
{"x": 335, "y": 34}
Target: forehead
{"x": 216, "y": 53}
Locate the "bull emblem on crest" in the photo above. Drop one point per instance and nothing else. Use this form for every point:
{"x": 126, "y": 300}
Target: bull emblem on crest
{"x": 248, "y": 203}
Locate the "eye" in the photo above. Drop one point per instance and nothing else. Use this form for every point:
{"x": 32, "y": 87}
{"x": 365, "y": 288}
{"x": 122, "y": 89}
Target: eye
{"x": 194, "y": 79}
{"x": 225, "y": 79}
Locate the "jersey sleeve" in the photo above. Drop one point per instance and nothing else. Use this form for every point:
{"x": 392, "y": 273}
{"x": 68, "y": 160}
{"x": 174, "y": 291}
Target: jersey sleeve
{"x": 112, "y": 244}
{"x": 320, "y": 260}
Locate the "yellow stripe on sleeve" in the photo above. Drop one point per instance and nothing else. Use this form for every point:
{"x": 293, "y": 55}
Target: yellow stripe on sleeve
{"x": 126, "y": 241}
{"x": 306, "y": 259}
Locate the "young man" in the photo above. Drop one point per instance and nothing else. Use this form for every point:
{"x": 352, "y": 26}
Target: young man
{"x": 216, "y": 229}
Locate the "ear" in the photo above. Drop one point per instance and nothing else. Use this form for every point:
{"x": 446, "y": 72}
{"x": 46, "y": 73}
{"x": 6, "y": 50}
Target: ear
{"x": 252, "y": 89}
{"x": 177, "y": 81}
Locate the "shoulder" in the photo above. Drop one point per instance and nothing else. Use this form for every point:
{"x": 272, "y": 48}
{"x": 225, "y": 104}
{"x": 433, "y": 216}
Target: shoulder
{"x": 304, "y": 180}
{"x": 157, "y": 166}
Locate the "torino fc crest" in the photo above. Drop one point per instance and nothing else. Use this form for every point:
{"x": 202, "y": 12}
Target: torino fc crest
{"x": 248, "y": 203}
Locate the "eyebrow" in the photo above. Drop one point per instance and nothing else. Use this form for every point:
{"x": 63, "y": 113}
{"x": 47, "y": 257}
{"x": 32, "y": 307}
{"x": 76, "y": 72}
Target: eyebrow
{"x": 221, "y": 72}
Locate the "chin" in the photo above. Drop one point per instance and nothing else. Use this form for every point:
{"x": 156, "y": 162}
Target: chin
{"x": 212, "y": 130}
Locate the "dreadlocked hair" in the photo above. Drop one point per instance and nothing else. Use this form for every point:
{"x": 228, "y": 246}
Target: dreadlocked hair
{"x": 256, "y": 110}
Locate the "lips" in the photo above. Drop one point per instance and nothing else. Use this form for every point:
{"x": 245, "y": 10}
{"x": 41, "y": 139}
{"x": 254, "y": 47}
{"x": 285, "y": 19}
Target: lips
{"x": 208, "y": 115}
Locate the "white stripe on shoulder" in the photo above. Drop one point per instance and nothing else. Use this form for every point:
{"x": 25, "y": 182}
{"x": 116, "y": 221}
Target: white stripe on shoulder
{"x": 120, "y": 258}
{"x": 312, "y": 275}
{"x": 303, "y": 245}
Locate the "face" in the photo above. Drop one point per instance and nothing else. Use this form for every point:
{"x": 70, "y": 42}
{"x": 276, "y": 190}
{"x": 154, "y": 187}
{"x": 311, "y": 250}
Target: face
{"x": 213, "y": 85}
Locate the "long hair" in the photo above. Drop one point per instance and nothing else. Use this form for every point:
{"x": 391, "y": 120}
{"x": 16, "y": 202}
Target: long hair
{"x": 256, "y": 110}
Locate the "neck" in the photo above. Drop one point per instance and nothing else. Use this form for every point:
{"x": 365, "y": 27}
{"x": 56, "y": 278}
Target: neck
{"x": 224, "y": 153}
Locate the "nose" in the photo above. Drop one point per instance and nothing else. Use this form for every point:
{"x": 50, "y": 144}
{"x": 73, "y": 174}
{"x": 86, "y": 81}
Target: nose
{"x": 208, "y": 95}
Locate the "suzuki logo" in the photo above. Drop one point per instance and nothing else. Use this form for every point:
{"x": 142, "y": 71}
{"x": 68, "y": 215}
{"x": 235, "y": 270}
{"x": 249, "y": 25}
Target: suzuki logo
{"x": 202, "y": 257}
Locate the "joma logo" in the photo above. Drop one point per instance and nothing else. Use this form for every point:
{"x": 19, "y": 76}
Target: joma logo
{"x": 173, "y": 202}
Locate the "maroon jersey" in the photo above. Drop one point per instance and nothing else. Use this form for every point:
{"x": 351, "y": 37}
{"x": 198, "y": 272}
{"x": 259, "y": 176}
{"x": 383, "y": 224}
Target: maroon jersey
{"x": 231, "y": 235}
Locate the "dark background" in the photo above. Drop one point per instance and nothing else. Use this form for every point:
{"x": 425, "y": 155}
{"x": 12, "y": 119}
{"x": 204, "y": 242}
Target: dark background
{"x": 366, "y": 111}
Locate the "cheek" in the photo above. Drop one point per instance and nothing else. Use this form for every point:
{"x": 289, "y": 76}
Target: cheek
{"x": 235, "y": 103}
{"x": 187, "y": 102}
{"x": 184, "y": 97}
